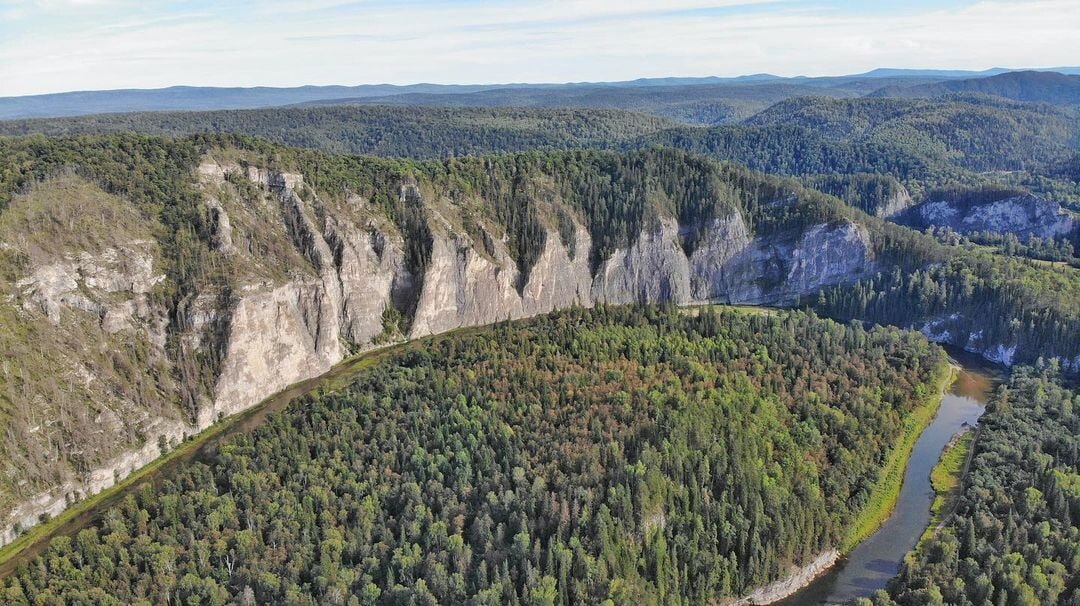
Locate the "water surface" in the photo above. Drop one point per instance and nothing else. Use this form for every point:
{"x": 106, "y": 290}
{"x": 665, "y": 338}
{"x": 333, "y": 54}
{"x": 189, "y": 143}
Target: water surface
{"x": 877, "y": 559}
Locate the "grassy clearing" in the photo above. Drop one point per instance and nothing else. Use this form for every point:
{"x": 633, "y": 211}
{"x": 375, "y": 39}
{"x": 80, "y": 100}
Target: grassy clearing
{"x": 887, "y": 490}
{"x": 946, "y": 478}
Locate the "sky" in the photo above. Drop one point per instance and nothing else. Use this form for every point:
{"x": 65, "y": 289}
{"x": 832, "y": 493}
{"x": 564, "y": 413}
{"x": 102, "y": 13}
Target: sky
{"x": 63, "y": 45}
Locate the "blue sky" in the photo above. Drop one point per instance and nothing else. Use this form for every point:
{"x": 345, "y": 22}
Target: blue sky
{"x": 60, "y": 45}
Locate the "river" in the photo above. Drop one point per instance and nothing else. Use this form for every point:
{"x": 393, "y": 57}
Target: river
{"x": 877, "y": 559}
{"x": 866, "y": 569}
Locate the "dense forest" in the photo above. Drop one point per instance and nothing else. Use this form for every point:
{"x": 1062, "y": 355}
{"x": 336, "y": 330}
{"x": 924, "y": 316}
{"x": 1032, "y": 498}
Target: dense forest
{"x": 976, "y": 301}
{"x": 632, "y": 454}
{"x": 1015, "y": 536}
{"x": 613, "y": 195}
{"x": 696, "y": 104}
{"x": 923, "y": 143}
{"x": 874, "y": 194}
{"x": 1030, "y": 86}
{"x": 974, "y": 133}
{"x": 410, "y": 132}
{"x": 707, "y": 100}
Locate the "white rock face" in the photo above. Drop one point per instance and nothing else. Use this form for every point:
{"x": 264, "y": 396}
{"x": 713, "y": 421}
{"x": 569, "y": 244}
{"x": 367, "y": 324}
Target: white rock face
{"x": 1024, "y": 216}
{"x": 557, "y": 281}
{"x": 938, "y": 212}
{"x": 272, "y": 344}
{"x": 277, "y": 331}
{"x": 274, "y": 179}
{"x": 896, "y": 203}
{"x": 946, "y": 330}
{"x": 1001, "y": 354}
{"x": 222, "y": 227}
{"x": 828, "y": 255}
{"x": 369, "y": 263}
{"x": 654, "y": 268}
{"x": 796, "y": 580}
{"x": 730, "y": 266}
{"x": 712, "y": 262}
{"x": 86, "y": 282}
{"x": 464, "y": 287}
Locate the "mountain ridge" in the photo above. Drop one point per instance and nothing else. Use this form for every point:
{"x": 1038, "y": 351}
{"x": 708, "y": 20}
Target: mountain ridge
{"x": 1028, "y": 86}
{"x": 192, "y": 97}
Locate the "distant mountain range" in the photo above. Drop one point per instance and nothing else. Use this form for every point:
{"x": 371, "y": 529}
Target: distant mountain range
{"x": 885, "y": 72}
{"x": 1030, "y": 86}
{"x": 744, "y": 90}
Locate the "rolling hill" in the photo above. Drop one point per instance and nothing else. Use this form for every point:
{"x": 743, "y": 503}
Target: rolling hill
{"x": 1029, "y": 86}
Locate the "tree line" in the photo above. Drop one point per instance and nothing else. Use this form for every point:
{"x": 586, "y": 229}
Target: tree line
{"x": 1014, "y": 537}
{"x": 613, "y": 455}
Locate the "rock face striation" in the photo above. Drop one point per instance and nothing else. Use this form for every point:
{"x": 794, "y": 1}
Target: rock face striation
{"x": 315, "y": 280}
{"x": 1024, "y": 215}
{"x": 896, "y": 203}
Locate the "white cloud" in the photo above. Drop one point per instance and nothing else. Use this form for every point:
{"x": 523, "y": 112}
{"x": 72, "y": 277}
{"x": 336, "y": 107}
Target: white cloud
{"x": 286, "y": 42}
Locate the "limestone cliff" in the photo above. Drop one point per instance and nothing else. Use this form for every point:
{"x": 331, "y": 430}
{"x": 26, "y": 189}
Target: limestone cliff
{"x": 312, "y": 278}
{"x": 896, "y": 203}
{"x": 1023, "y": 215}
{"x": 653, "y": 269}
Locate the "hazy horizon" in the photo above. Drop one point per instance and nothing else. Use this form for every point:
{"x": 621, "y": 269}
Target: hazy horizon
{"x": 564, "y": 83}
{"x": 53, "y": 46}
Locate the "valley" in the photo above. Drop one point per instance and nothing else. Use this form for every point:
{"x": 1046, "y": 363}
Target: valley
{"x": 665, "y": 341}
{"x": 610, "y": 323}
{"x": 874, "y": 561}
{"x": 251, "y": 278}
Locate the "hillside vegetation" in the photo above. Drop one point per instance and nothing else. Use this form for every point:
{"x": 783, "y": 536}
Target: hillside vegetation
{"x": 413, "y": 132}
{"x": 1014, "y": 538}
{"x": 968, "y": 141}
{"x": 923, "y": 143}
{"x": 636, "y": 455}
{"x": 177, "y": 292}
{"x": 1035, "y": 87}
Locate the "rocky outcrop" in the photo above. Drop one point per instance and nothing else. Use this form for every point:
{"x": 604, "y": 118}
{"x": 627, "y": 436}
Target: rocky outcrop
{"x": 732, "y": 267}
{"x": 654, "y": 268}
{"x": 826, "y": 255}
{"x": 712, "y": 262}
{"x": 370, "y": 268}
{"x": 558, "y": 279}
{"x": 112, "y": 284}
{"x": 347, "y": 266}
{"x": 1024, "y": 215}
{"x": 222, "y": 227}
{"x": 949, "y": 330}
{"x": 53, "y": 502}
{"x": 896, "y": 203}
{"x": 465, "y": 286}
{"x": 273, "y": 343}
{"x": 797, "y": 579}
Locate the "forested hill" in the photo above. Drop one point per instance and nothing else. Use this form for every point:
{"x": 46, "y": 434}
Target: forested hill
{"x": 935, "y": 142}
{"x": 1036, "y": 87}
{"x": 1014, "y": 538}
{"x": 698, "y": 104}
{"x": 924, "y": 144}
{"x": 619, "y": 455}
{"x": 694, "y": 100}
{"x": 412, "y": 132}
{"x": 234, "y": 267}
